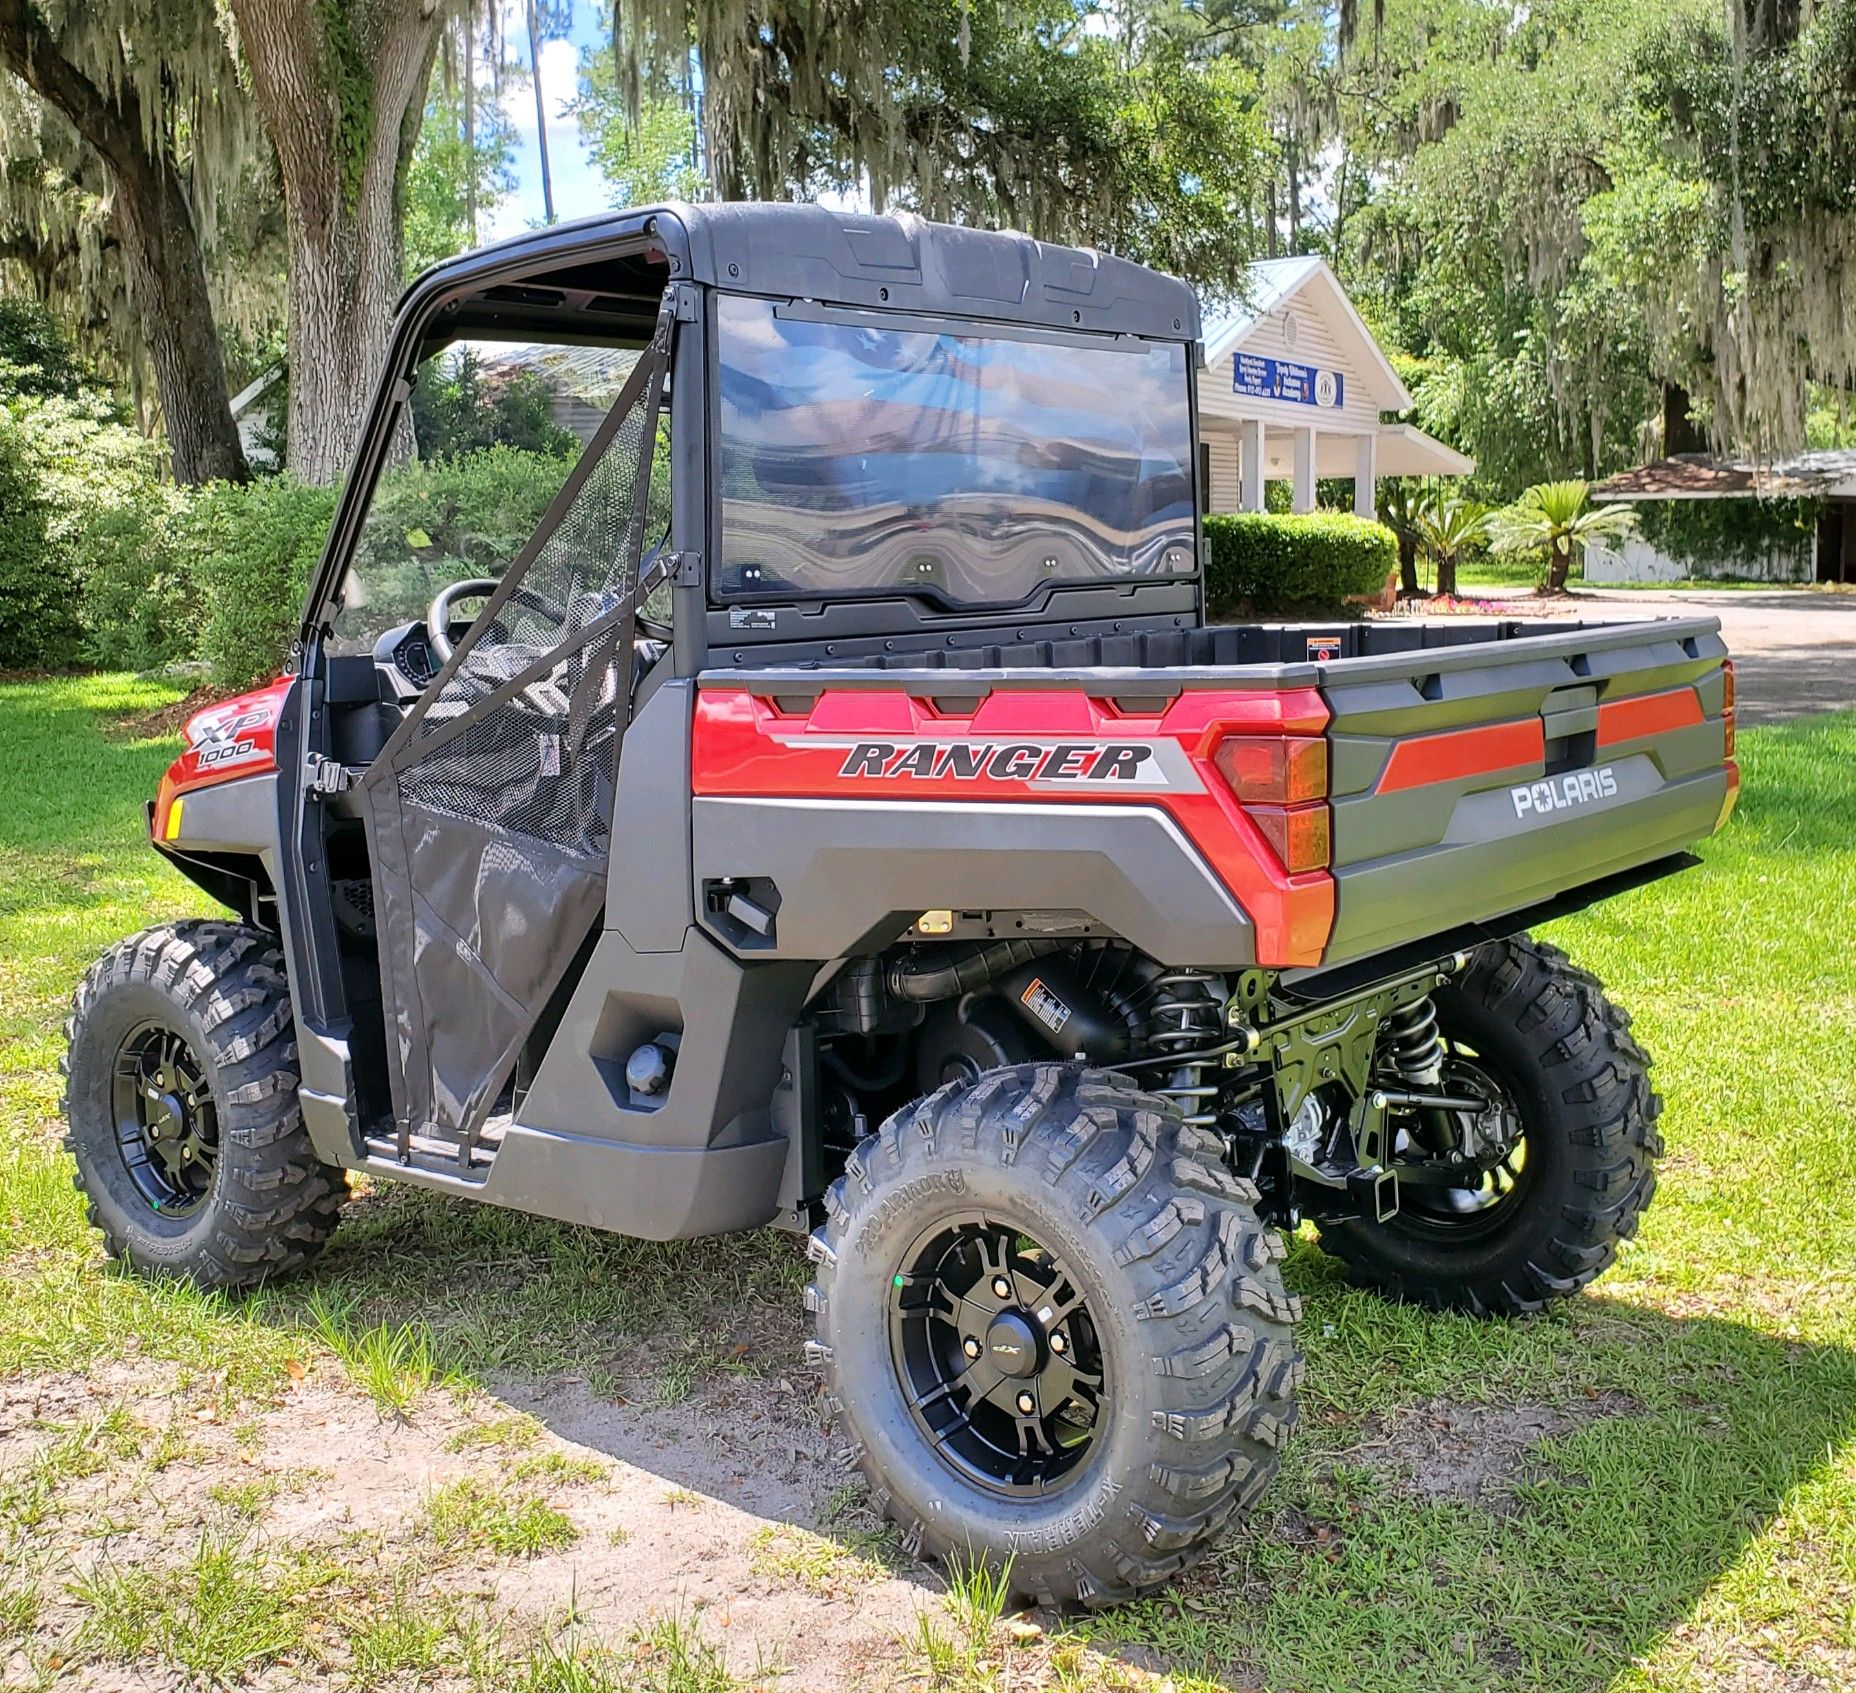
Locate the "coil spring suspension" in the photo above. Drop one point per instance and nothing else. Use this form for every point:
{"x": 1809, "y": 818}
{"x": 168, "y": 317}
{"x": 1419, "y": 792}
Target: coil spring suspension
{"x": 1184, "y": 1013}
{"x": 1413, "y": 1045}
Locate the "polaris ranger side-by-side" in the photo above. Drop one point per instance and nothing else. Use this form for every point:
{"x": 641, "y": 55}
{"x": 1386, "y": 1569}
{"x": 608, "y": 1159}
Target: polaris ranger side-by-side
{"x": 787, "y": 776}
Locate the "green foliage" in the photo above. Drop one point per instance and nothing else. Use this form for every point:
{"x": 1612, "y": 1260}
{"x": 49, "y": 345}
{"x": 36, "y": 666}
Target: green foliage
{"x": 1555, "y": 521}
{"x": 455, "y": 411}
{"x": 1271, "y": 563}
{"x": 72, "y": 482}
{"x": 1722, "y": 534}
{"x": 1448, "y": 528}
{"x": 439, "y": 521}
{"x": 141, "y": 598}
{"x": 36, "y": 356}
{"x": 444, "y": 170}
{"x": 646, "y": 156}
{"x": 36, "y": 627}
{"x": 349, "y": 68}
{"x": 973, "y": 111}
{"x": 253, "y": 549}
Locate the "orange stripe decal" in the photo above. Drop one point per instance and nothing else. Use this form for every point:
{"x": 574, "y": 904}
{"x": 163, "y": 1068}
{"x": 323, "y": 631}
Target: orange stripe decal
{"x": 1648, "y": 714}
{"x": 1449, "y": 757}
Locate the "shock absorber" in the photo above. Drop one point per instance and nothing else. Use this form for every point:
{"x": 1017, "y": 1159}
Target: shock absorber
{"x": 1413, "y": 1046}
{"x": 1183, "y": 1014}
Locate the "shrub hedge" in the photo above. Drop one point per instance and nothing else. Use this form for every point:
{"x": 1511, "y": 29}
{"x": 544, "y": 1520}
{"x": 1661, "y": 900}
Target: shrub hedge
{"x": 253, "y": 548}
{"x": 1258, "y": 562}
{"x": 132, "y": 572}
{"x": 37, "y": 627}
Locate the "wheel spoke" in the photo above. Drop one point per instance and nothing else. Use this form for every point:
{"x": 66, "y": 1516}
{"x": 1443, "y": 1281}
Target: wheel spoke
{"x": 980, "y": 1376}
{"x": 1033, "y": 1442}
{"x": 980, "y": 1379}
{"x": 1062, "y": 1381}
{"x": 166, "y": 1128}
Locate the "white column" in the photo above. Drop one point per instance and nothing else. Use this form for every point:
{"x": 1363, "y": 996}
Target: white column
{"x": 1250, "y": 444}
{"x": 1365, "y": 474}
{"x": 1304, "y": 468}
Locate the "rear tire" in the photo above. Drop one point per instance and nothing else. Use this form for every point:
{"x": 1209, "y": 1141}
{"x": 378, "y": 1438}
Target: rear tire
{"x": 1099, "y": 1202}
{"x": 181, "y": 1106}
{"x": 1563, "y": 1054}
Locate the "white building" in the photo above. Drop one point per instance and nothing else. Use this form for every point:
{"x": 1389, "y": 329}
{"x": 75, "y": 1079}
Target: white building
{"x": 1293, "y": 388}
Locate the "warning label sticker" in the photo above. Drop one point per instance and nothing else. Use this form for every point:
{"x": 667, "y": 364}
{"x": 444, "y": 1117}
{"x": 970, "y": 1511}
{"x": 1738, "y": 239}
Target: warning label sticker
{"x": 1044, "y": 1005}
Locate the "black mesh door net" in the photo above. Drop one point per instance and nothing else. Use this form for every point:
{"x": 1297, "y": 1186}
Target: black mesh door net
{"x": 489, "y": 811}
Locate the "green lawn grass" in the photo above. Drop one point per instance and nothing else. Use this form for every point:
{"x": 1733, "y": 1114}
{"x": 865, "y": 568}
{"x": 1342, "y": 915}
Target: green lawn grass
{"x": 1688, "y": 1522}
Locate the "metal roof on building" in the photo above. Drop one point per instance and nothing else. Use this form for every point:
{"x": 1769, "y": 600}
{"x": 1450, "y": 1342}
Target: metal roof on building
{"x": 1829, "y": 473}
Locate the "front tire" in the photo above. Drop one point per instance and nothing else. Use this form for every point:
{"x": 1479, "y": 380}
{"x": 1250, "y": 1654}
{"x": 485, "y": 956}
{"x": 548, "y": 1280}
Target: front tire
{"x": 181, "y": 1106}
{"x": 1543, "y": 1031}
{"x": 1054, "y": 1331}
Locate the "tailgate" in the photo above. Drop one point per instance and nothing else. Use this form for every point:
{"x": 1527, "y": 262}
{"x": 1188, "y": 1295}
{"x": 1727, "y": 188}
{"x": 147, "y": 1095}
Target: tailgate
{"x": 1471, "y": 782}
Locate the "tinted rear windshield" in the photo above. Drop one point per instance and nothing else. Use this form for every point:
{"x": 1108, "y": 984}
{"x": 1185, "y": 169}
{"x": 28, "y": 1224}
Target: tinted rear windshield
{"x": 870, "y": 458}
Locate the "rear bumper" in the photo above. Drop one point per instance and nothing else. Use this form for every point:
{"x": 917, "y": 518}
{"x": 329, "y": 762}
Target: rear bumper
{"x": 1385, "y": 903}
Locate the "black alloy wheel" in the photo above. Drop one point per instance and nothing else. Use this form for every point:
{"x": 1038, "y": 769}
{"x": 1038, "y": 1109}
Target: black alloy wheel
{"x": 182, "y": 1112}
{"x": 997, "y": 1355}
{"x": 167, "y": 1129}
{"x": 1053, "y": 1331}
{"x": 1476, "y": 1207}
{"x": 1527, "y": 1029}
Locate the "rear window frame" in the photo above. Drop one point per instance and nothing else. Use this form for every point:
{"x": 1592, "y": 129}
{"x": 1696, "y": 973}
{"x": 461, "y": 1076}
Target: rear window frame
{"x": 926, "y": 596}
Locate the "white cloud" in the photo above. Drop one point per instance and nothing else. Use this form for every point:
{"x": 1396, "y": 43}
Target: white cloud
{"x": 578, "y": 187}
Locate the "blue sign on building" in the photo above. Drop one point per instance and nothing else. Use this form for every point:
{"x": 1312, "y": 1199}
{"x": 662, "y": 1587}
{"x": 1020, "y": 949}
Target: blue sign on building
{"x": 1282, "y": 379}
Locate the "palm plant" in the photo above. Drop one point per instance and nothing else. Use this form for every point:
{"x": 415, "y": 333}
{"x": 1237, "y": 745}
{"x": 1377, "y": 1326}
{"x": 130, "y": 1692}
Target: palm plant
{"x": 1447, "y": 528}
{"x": 1401, "y": 500}
{"x": 1555, "y": 518}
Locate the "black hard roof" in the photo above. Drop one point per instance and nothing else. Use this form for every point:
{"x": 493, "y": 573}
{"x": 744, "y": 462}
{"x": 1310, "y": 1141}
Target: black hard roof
{"x": 898, "y": 262}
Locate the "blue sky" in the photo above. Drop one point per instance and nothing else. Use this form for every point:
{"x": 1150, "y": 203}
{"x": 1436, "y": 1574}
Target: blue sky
{"x": 578, "y": 187}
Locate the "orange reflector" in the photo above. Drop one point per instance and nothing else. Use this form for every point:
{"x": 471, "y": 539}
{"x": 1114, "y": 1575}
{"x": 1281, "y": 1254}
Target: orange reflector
{"x": 1733, "y": 794}
{"x": 1727, "y": 685}
{"x": 1274, "y": 769}
{"x": 1297, "y": 833}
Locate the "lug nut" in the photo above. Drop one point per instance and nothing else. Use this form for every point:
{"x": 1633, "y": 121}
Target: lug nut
{"x": 1058, "y": 1343}
{"x": 1027, "y": 1404}
{"x": 970, "y": 1346}
{"x": 1002, "y": 1287}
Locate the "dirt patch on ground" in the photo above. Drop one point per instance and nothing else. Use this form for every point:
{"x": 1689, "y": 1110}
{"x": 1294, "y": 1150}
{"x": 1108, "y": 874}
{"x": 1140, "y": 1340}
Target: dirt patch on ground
{"x": 726, "y": 1509}
{"x": 165, "y": 720}
{"x": 1475, "y": 1453}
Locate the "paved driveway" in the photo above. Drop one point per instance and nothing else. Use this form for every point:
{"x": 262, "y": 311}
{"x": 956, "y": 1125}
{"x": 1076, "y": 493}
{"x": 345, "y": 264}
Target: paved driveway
{"x": 1794, "y": 650}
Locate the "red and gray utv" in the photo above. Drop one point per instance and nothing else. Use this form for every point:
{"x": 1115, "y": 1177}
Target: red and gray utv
{"x": 786, "y": 776}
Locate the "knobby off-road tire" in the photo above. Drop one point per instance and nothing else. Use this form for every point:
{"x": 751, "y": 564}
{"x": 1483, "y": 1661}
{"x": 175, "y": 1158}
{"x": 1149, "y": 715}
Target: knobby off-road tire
{"x": 1564, "y": 1055}
{"x": 269, "y": 1203}
{"x": 1192, "y": 1328}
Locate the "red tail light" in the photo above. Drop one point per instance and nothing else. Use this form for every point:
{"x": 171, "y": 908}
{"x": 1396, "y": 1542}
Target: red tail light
{"x": 1282, "y": 783}
{"x": 1274, "y": 769}
{"x": 1299, "y": 833}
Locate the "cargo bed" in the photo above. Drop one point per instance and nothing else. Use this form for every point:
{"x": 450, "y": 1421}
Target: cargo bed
{"x": 1477, "y": 768}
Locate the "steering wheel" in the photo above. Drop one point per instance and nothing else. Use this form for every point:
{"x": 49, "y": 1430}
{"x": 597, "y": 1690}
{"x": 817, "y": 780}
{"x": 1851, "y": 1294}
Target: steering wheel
{"x": 438, "y": 613}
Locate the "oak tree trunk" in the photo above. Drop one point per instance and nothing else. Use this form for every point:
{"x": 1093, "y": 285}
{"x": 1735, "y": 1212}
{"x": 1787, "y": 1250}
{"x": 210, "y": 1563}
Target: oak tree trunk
{"x": 160, "y": 247}
{"x": 342, "y": 91}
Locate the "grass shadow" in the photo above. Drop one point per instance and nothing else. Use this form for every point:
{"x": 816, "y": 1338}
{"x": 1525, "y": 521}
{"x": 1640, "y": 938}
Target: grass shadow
{"x": 1596, "y": 1475}
{"x": 1544, "y": 1527}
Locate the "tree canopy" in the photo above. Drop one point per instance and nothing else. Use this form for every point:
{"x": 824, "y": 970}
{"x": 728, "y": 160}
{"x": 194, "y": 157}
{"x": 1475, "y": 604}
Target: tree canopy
{"x": 1587, "y": 230}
